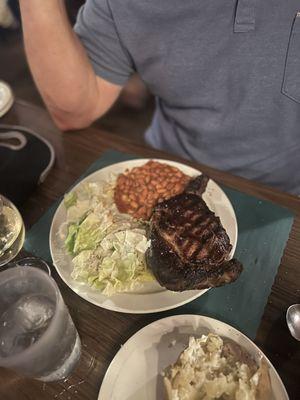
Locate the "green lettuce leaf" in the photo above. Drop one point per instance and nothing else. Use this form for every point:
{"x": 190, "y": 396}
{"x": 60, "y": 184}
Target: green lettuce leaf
{"x": 71, "y": 237}
{"x": 70, "y": 199}
{"x": 90, "y": 232}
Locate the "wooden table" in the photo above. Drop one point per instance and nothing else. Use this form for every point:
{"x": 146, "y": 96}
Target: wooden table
{"x": 103, "y": 331}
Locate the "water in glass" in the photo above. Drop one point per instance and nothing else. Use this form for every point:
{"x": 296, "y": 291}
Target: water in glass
{"x": 37, "y": 335}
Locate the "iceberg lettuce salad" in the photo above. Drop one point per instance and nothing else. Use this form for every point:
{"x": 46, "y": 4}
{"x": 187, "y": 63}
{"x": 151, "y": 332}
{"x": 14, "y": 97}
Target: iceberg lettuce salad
{"x": 107, "y": 247}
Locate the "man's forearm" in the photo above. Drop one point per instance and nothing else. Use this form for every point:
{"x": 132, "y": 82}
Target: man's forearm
{"x": 57, "y": 59}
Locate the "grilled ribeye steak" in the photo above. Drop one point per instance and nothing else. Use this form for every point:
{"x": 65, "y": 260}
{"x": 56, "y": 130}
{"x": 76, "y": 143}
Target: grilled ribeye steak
{"x": 189, "y": 247}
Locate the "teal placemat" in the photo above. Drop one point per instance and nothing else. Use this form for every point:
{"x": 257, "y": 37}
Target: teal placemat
{"x": 263, "y": 232}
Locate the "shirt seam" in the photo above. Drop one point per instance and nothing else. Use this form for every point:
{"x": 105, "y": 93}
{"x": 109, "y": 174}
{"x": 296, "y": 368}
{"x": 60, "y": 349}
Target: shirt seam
{"x": 126, "y": 51}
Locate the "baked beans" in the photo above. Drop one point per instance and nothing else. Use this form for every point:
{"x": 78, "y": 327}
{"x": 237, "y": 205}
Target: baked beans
{"x": 138, "y": 190}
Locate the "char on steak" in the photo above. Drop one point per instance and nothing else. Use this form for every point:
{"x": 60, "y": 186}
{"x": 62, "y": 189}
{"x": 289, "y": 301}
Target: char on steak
{"x": 189, "y": 247}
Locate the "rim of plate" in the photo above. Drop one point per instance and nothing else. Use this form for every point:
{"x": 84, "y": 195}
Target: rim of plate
{"x": 123, "y": 165}
{"x": 182, "y": 319}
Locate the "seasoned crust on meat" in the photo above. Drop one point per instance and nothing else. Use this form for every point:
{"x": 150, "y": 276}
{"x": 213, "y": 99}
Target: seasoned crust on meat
{"x": 189, "y": 246}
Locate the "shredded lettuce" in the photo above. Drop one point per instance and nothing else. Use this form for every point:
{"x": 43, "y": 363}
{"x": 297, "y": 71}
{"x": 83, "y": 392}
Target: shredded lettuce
{"x": 107, "y": 247}
{"x": 71, "y": 237}
{"x": 70, "y": 199}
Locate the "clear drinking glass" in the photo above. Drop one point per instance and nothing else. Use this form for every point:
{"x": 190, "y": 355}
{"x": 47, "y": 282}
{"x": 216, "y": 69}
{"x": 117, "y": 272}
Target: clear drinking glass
{"x": 37, "y": 335}
{"x": 35, "y": 262}
{"x": 12, "y": 231}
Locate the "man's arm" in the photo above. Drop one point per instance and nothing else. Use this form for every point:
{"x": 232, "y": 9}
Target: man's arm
{"x": 73, "y": 93}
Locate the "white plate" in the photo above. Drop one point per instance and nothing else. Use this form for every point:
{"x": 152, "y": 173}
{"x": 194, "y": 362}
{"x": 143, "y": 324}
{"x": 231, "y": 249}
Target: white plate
{"x": 135, "y": 372}
{"x": 153, "y": 297}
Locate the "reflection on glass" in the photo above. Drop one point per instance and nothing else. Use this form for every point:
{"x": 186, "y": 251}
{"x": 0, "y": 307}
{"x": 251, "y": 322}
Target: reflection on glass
{"x": 12, "y": 231}
{"x": 34, "y": 262}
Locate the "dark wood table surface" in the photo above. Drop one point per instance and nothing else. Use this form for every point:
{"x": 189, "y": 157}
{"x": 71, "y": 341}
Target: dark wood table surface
{"x": 102, "y": 331}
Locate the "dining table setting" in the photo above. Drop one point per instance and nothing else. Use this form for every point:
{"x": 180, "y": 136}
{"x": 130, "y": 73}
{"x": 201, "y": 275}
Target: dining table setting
{"x": 123, "y": 330}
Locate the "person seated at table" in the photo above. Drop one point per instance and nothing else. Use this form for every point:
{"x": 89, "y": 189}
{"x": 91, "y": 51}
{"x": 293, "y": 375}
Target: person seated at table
{"x": 226, "y": 75}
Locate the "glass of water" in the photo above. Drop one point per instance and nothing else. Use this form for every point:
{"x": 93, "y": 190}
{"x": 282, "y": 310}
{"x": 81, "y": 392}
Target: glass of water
{"x": 12, "y": 231}
{"x": 37, "y": 335}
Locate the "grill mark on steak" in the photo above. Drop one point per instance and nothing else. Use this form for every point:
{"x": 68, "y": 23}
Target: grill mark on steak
{"x": 189, "y": 247}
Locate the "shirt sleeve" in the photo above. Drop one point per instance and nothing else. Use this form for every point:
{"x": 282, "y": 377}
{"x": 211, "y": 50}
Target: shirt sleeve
{"x": 96, "y": 30}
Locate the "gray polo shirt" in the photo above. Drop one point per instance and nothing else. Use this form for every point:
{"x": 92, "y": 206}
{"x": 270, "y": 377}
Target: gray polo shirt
{"x": 226, "y": 76}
